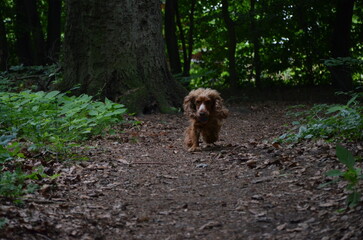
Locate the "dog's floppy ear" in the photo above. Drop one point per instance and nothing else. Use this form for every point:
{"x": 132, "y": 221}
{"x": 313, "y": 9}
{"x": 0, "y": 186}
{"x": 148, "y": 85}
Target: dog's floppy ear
{"x": 189, "y": 106}
{"x": 218, "y": 106}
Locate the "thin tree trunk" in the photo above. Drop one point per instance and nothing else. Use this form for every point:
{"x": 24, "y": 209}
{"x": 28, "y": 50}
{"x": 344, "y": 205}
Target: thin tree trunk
{"x": 54, "y": 29}
{"x": 4, "y": 51}
{"x": 256, "y": 45}
{"x": 36, "y": 33}
{"x": 170, "y": 36}
{"x": 22, "y": 33}
{"x": 182, "y": 39}
{"x": 308, "y": 61}
{"x": 190, "y": 39}
{"x": 30, "y": 37}
{"x": 341, "y": 43}
{"x": 231, "y": 44}
{"x": 115, "y": 49}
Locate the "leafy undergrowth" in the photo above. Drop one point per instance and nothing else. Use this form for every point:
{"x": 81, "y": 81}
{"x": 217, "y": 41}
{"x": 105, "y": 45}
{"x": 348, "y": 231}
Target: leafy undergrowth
{"x": 334, "y": 123}
{"x": 329, "y": 122}
{"x": 35, "y": 78}
{"x": 38, "y": 128}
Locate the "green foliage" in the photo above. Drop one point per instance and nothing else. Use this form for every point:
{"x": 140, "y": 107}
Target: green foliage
{"x": 21, "y": 77}
{"x": 13, "y": 184}
{"x": 343, "y": 61}
{"x": 49, "y": 122}
{"x": 331, "y": 122}
{"x": 351, "y": 175}
{"x": 3, "y": 222}
{"x": 9, "y": 152}
{"x": 52, "y": 120}
{"x": 293, "y": 36}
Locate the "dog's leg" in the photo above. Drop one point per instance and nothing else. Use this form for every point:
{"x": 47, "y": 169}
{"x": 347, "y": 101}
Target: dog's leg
{"x": 194, "y": 135}
{"x": 211, "y": 134}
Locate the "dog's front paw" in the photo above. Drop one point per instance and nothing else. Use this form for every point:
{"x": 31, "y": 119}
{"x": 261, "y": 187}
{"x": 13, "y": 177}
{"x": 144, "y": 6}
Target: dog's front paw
{"x": 194, "y": 149}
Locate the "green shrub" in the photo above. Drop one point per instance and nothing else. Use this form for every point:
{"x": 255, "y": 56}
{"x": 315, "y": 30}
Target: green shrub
{"x": 13, "y": 184}
{"x": 51, "y": 121}
{"x": 21, "y": 77}
{"x": 331, "y": 122}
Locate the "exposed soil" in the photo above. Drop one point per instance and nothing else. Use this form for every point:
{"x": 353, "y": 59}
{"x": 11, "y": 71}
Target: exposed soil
{"x": 142, "y": 184}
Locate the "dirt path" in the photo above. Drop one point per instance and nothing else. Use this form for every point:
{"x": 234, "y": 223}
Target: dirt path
{"x": 141, "y": 184}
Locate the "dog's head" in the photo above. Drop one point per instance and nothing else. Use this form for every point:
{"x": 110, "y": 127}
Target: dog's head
{"x": 201, "y": 104}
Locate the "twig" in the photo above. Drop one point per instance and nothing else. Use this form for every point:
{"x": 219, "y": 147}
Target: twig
{"x": 161, "y": 163}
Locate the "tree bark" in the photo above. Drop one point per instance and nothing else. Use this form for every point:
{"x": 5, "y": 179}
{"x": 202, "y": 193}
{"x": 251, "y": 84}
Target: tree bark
{"x": 4, "y": 51}
{"x": 30, "y": 38}
{"x": 22, "y": 33}
{"x": 37, "y": 35}
{"x": 256, "y": 45}
{"x": 115, "y": 49}
{"x": 190, "y": 39}
{"x": 341, "y": 43}
{"x": 170, "y": 36}
{"x": 182, "y": 39}
{"x": 231, "y": 45}
{"x": 54, "y": 29}
{"x": 187, "y": 51}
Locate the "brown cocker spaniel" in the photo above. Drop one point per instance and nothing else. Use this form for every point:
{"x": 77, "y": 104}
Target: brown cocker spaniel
{"x": 204, "y": 107}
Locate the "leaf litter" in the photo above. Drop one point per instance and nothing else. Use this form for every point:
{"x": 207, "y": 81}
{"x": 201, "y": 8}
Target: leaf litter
{"x": 142, "y": 184}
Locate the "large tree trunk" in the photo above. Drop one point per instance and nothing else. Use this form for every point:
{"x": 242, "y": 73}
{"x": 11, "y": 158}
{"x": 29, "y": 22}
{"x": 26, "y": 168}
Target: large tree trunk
{"x": 115, "y": 49}
{"x": 170, "y": 36}
{"x": 341, "y": 43}
{"x": 54, "y": 29}
{"x": 4, "y": 52}
{"x": 231, "y": 45}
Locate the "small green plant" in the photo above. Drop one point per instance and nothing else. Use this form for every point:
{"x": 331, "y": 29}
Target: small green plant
{"x": 14, "y": 184}
{"x": 21, "y": 77}
{"x": 351, "y": 175}
{"x": 3, "y": 222}
{"x": 330, "y": 122}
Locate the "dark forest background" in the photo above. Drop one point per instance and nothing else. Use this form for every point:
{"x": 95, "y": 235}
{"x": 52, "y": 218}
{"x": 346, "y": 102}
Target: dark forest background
{"x": 217, "y": 44}
{"x": 77, "y": 70}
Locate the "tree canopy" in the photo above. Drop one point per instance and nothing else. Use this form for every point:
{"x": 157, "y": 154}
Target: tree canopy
{"x": 214, "y": 43}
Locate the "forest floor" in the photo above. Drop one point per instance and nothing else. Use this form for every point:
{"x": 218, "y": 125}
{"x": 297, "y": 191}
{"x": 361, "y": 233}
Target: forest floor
{"x": 142, "y": 184}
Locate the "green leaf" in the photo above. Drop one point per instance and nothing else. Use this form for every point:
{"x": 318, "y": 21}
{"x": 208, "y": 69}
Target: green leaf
{"x": 335, "y": 109}
{"x": 51, "y": 95}
{"x": 295, "y": 123}
{"x": 309, "y": 136}
{"x": 323, "y": 185}
{"x": 3, "y": 222}
{"x": 352, "y": 99}
{"x": 93, "y": 113}
{"x": 345, "y": 157}
{"x": 353, "y": 199}
{"x": 334, "y": 173}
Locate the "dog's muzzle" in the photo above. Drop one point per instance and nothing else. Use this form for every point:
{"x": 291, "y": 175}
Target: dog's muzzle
{"x": 203, "y": 117}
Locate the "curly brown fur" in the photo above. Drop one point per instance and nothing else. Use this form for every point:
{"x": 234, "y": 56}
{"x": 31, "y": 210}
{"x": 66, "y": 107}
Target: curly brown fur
{"x": 205, "y": 109}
